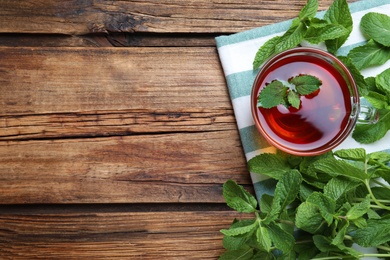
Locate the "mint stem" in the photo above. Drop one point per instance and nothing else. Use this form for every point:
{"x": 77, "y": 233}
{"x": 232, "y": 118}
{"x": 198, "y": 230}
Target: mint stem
{"x": 367, "y": 183}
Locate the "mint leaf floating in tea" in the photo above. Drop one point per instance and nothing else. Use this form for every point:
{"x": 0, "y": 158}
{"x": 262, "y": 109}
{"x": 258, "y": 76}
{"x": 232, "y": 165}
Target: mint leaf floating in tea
{"x": 305, "y": 84}
{"x": 288, "y": 93}
{"x": 273, "y": 94}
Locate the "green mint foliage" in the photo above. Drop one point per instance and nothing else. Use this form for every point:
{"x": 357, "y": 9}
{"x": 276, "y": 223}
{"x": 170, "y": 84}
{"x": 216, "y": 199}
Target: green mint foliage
{"x": 340, "y": 208}
{"x": 267, "y": 50}
{"x": 238, "y": 198}
{"x": 291, "y": 38}
{"x": 293, "y": 99}
{"x": 377, "y": 27}
{"x": 305, "y": 84}
{"x": 277, "y": 92}
{"x": 285, "y": 193}
{"x": 339, "y": 14}
{"x": 273, "y": 94}
{"x": 316, "y": 34}
{"x": 309, "y": 10}
{"x": 356, "y": 74}
{"x": 376, "y": 233}
{"x": 334, "y": 29}
{"x": 370, "y": 54}
{"x": 379, "y": 96}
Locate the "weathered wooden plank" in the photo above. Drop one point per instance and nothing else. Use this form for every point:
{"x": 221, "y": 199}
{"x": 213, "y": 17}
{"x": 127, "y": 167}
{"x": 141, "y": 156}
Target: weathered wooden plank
{"x": 108, "y": 40}
{"x": 180, "y": 16}
{"x": 109, "y": 123}
{"x": 151, "y": 235}
{"x": 70, "y": 92}
{"x": 129, "y": 169}
{"x": 49, "y": 80}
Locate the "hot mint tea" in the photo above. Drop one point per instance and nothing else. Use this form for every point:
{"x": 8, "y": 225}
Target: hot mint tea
{"x": 322, "y": 116}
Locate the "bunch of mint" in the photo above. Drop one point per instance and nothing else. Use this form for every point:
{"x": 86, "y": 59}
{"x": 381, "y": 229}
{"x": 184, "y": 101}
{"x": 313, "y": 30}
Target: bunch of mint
{"x": 321, "y": 206}
{"x": 334, "y": 29}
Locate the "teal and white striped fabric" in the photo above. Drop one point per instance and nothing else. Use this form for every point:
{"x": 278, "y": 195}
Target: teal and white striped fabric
{"x": 237, "y": 52}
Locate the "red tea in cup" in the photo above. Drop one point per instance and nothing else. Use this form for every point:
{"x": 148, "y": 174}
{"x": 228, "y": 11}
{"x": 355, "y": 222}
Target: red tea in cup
{"x": 324, "y": 118}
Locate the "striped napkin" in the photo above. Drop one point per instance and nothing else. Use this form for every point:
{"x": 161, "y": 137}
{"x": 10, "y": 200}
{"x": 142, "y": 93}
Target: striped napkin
{"x": 236, "y": 54}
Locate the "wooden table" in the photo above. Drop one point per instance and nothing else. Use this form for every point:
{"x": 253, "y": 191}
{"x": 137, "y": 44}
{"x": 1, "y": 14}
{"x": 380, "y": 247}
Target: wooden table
{"x": 116, "y": 129}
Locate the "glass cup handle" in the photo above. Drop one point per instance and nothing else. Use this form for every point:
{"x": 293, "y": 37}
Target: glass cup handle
{"x": 367, "y": 115}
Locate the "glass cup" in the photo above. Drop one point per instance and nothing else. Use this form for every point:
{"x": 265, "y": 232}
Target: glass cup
{"x": 325, "y": 118}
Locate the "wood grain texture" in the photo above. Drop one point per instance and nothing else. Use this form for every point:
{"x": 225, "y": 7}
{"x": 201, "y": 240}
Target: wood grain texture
{"x": 130, "y": 169}
{"x": 49, "y": 80}
{"x": 150, "y": 235}
{"x": 122, "y": 122}
{"x": 73, "y": 92}
{"x": 76, "y": 17}
{"x": 108, "y": 40}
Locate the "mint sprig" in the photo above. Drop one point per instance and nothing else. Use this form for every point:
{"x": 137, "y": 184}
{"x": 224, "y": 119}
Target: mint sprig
{"x": 320, "y": 206}
{"x": 334, "y": 30}
{"x": 376, "y": 51}
{"x": 288, "y": 93}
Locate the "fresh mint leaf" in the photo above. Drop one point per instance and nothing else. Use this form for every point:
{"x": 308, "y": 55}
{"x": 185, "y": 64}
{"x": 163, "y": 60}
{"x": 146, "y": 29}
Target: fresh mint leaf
{"x": 376, "y": 233}
{"x": 291, "y": 38}
{"x": 377, "y": 100}
{"x": 339, "y": 13}
{"x": 326, "y": 205}
{"x": 382, "y": 193}
{"x": 266, "y": 203}
{"x": 233, "y": 243}
{"x": 370, "y": 54}
{"x": 357, "y": 75}
{"x": 240, "y": 228}
{"x": 275, "y": 93}
{"x": 337, "y": 188}
{"x": 265, "y": 51}
{"x": 338, "y": 240}
{"x": 238, "y": 198}
{"x": 324, "y": 244}
{"x": 367, "y": 134}
{"x": 263, "y": 238}
{"x": 377, "y": 27}
{"x": 263, "y": 256}
{"x": 286, "y": 192}
{"x": 309, "y": 218}
{"x": 335, "y": 168}
{"x": 309, "y": 10}
{"x": 355, "y": 154}
{"x": 316, "y": 35}
{"x": 380, "y": 156}
{"x": 383, "y": 82}
{"x": 359, "y": 209}
{"x": 242, "y": 254}
{"x": 269, "y": 164}
{"x": 283, "y": 240}
{"x": 293, "y": 99}
{"x": 317, "y": 23}
{"x": 305, "y": 84}
{"x": 284, "y": 93}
